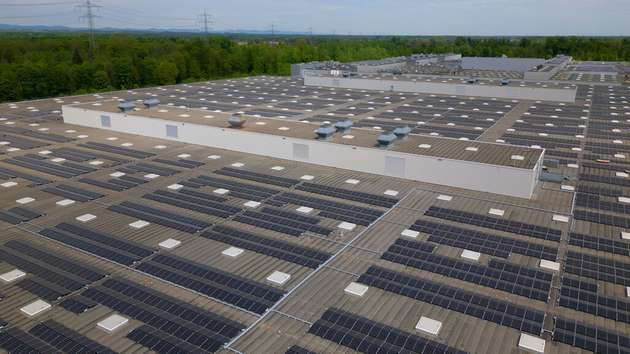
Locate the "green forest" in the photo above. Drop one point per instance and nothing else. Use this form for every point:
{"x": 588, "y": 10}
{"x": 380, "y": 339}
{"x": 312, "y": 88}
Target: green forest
{"x": 51, "y": 64}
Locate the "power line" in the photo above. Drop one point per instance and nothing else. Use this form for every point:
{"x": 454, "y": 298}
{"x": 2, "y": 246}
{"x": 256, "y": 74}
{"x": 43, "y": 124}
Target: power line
{"x": 90, "y": 16}
{"x": 205, "y": 20}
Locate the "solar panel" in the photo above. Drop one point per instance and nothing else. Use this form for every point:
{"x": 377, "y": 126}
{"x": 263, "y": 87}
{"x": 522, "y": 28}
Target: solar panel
{"x": 600, "y": 268}
{"x": 456, "y": 299}
{"x": 329, "y": 209}
{"x": 107, "y": 246}
{"x": 490, "y": 222}
{"x": 523, "y": 281}
{"x": 258, "y": 177}
{"x": 591, "y": 338}
{"x": 366, "y": 336}
{"x": 280, "y": 224}
{"x": 213, "y": 282}
{"x": 298, "y": 350}
{"x": 195, "y": 326}
{"x": 73, "y": 193}
{"x": 205, "y": 206}
{"x": 275, "y": 248}
{"x": 160, "y": 217}
{"x": 65, "y": 339}
{"x": 482, "y": 242}
{"x": 367, "y": 198}
{"x": 117, "y": 150}
{"x": 15, "y": 340}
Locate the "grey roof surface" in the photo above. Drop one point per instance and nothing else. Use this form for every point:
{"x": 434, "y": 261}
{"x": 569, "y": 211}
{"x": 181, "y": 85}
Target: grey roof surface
{"x": 588, "y": 141}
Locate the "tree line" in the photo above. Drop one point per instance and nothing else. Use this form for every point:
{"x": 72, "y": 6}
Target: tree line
{"x": 37, "y": 65}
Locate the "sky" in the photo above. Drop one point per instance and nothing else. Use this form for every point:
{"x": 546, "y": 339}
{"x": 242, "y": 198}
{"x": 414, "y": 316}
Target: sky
{"x": 387, "y": 17}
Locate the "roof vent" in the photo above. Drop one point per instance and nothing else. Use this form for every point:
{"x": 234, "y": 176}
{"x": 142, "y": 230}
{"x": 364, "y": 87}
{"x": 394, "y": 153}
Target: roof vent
{"x": 325, "y": 131}
{"x": 126, "y": 106}
{"x": 151, "y": 102}
{"x": 402, "y": 132}
{"x": 386, "y": 139}
{"x": 236, "y": 120}
{"x": 343, "y": 125}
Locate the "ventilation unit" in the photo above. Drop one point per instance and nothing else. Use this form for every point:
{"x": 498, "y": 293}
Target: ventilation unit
{"x": 151, "y": 102}
{"x": 343, "y": 125}
{"x": 402, "y": 132}
{"x": 386, "y": 139}
{"x": 126, "y": 106}
{"x": 236, "y": 121}
{"x": 325, "y": 131}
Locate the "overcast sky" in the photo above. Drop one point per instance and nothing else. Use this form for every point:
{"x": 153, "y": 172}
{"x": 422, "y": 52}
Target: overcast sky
{"x": 411, "y": 17}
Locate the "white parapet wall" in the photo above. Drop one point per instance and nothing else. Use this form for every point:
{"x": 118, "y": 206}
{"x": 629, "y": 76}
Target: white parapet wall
{"x": 506, "y": 180}
{"x": 439, "y": 88}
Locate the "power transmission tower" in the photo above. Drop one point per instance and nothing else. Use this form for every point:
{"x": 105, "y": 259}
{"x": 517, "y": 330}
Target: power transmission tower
{"x": 273, "y": 29}
{"x": 205, "y": 19}
{"x": 310, "y": 31}
{"x": 89, "y": 7}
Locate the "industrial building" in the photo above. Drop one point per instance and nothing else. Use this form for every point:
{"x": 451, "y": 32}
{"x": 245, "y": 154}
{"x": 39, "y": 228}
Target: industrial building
{"x": 274, "y": 215}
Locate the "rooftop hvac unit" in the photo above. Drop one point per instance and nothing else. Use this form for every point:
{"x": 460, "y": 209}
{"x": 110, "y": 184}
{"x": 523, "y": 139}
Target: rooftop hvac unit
{"x": 325, "y": 131}
{"x": 402, "y": 132}
{"x": 386, "y": 139}
{"x": 151, "y": 102}
{"x": 126, "y": 106}
{"x": 343, "y": 125}
{"x": 236, "y": 121}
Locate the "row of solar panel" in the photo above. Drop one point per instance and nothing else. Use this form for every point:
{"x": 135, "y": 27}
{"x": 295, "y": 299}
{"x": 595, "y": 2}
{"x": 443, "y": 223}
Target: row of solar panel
{"x": 599, "y": 268}
{"x": 37, "y": 135}
{"x": 98, "y": 243}
{"x": 164, "y": 314}
{"x": 73, "y": 193}
{"x": 21, "y": 142}
{"x": 484, "y": 307}
{"x": 143, "y": 167}
{"x": 66, "y": 340}
{"x": 599, "y": 244}
{"x": 588, "y": 189}
{"x": 478, "y": 241}
{"x": 600, "y": 218}
{"x": 495, "y": 223}
{"x": 194, "y": 203}
{"x": 160, "y": 217}
{"x": 258, "y": 177}
{"x": 119, "y": 150}
{"x": 329, "y": 209}
{"x": 235, "y": 290}
{"x": 610, "y": 180}
{"x": 366, "y": 336}
{"x": 18, "y": 215}
{"x": 189, "y": 164}
{"x": 237, "y": 189}
{"x": 65, "y": 169}
{"x": 593, "y": 201}
{"x": 6, "y": 173}
{"x": 283, "y": 221}
{"x": 15, "y": 340}
{"x": 295, "y": 349}
{"x": 275, "y": 248}
{"x": 367, "y": 198}
{"x": 593, "y": 339}
{"x": 584, "y": 299}
{"x": 116, "y": 184}
{"x": 497, "y": 275}
{"x": 78, "y": 155}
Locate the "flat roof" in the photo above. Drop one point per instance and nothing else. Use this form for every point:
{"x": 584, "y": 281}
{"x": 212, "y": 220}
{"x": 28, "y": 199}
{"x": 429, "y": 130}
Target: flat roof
{"x": 448, "y": 148}
{"x": 448, "y": 220}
